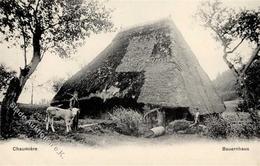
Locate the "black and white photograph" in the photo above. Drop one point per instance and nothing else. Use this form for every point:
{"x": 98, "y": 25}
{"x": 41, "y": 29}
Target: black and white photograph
{"x": 130, "y": 82}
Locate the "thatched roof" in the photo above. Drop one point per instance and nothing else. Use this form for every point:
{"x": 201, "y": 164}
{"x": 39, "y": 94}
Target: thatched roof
{"x": 151, "y": 64}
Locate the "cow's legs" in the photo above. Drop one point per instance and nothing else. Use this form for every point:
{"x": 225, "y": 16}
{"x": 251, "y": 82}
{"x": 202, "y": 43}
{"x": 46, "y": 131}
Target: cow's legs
{"x": 69, "y": 124}
{"x": 52, "y": 124}
{"x": 47, "y": 123}
{"x": 67, "y": 128}
{"x": 66, "y": 125}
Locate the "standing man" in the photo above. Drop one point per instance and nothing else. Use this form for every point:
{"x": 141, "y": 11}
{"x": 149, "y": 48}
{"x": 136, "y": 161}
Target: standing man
{"x": 74, "y": 103}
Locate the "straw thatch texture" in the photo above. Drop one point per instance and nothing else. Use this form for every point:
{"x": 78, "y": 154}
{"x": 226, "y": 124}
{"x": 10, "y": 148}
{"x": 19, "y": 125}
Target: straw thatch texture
{"x": 151, "y": 64}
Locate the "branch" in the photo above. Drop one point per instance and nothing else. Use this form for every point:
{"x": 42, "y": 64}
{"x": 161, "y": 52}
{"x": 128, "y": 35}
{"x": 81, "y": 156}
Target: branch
{"x": 24, "y": 42}
{"x": 225, "y": 46}
{"x": 24, "y": 49}
{"x": 250, "y": 61}
{"x": 37, "y": 5}
{"x": 62, "y": 19}
{"x": 30, "y": 27}
{"x": 223, "y": 42}
{"x": 26, "y": 7}
{"x": 230, "y": 65}
{"x": 231, "y": 51}
{"x": 53, "y": 25}
{"x": 35, "y": 11}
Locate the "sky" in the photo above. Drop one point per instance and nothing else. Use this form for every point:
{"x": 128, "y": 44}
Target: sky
{"x": 127, "y": 13}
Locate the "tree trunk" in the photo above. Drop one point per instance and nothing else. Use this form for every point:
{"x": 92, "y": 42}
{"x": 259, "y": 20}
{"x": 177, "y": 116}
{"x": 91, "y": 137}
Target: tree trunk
{"x": 15, "y": 88}
{"x": 247, "y": 95}
{"x": 241, "y": 75}
{"x": 7, "y": 108}
{"x": 251, "y": 60}
{"x": 32, "y": 94}
{"x": 9, "y": 102}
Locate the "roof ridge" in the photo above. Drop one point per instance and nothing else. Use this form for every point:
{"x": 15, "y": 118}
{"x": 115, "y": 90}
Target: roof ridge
{"x": 167, "y": 21}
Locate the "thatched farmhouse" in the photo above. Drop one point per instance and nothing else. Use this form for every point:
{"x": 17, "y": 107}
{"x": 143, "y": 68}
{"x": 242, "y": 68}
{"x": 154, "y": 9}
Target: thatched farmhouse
{"x": 148, "y": 65}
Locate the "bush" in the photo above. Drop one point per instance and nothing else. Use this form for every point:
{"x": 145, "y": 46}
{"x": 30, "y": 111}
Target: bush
{"x": 219, "y": 127}
{"x": 127, "y": 121}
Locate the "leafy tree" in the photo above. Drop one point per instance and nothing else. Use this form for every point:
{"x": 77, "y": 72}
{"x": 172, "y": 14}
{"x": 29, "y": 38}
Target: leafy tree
{"x": 5, "y": 76}
{"x": 253, "y": 83}
{"x": 232, "y": 28}
{"x": 40, "y": 26}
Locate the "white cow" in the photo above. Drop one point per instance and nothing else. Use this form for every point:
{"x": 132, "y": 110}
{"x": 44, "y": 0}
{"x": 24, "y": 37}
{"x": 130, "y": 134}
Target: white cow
{"x": 66, "y": 114}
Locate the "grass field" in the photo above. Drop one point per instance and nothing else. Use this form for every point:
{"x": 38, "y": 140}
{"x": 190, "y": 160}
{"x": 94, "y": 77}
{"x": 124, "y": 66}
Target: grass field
{"x": 103, "y": 134}
{"x": 101, "y": 145}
